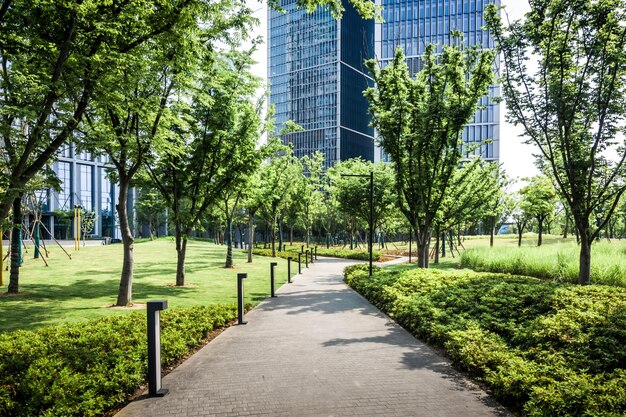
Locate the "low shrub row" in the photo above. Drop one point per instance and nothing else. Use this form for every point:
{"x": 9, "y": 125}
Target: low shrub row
{"x": 543, "y": 348}
{"x": 85, "y": 369}
{"x": 554, "y": 261}
{"x": 332, "y": 253}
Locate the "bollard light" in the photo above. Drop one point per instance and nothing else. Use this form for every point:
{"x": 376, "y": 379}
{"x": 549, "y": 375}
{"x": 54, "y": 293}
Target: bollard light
{"x": 154, "y": 348}
{"x": 240, "y": 278}
{"x": 289, "y": 269}
{"x": 272, "y": 267}
{"x": 306, "y": 258}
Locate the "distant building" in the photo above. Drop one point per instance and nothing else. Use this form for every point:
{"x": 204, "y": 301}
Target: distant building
{"x": 317, "y": 78}
{"x": 413, "y": 25}
{"x": 84, "y": 182}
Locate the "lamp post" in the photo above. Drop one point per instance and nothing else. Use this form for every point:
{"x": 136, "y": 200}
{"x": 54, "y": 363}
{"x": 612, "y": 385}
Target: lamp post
{"x": 371, "y": 219}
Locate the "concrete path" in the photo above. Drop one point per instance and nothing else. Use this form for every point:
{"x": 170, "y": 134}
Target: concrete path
{"x": 319, "y": 349}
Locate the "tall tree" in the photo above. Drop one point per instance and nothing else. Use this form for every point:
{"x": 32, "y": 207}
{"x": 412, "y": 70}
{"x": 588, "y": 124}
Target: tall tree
{"x": 571, "y": 105}
{"x": 311, "y": 194}
{"x": 420, "y": 122}
{"x": 539, "y": 201}
{"x": 352, "y": 193}
{"x": 53, "y": 58}
{"x": 276, "y": 182}
{"x": 215, "y": 151}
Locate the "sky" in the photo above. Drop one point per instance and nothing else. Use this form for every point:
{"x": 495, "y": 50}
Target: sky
{"x": 516, "y": 157}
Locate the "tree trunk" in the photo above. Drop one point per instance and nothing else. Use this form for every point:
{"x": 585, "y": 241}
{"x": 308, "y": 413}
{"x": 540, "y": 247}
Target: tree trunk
{"x": 291, "y": 235}
{"x": 181, "y": 251}
{"x": 492, "y": 227}
{"x": 566, "y": 226}
{"x": 584, "y": 274}
{"x": 125, "y": 293}
{"x": 250, "y": 236}
{"x": 539, "y": 238}
{"x": 273, "y": 237}
{"x": 16, "y": 244}
{"x": 520, "y": 232}
{"x": 423, "y": 247}
{"x": 229, "y": 243}
{"x": 437, "y": 243}
{"x": 280, "y": 236}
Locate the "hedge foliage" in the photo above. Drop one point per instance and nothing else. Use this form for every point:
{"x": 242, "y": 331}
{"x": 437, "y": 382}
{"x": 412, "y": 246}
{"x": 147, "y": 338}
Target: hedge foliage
{"x": 332, "y": 253}
{"x": 85, "y": 369}
{"x": 544, "y": 349}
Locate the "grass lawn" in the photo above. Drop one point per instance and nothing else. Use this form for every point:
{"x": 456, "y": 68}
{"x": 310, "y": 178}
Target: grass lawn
{"x": 82, "y": 288}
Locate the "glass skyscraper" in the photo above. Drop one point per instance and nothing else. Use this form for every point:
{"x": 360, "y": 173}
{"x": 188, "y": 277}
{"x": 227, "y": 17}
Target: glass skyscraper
{"x": 317, "y": 78}
{"x": 415, "y": 24}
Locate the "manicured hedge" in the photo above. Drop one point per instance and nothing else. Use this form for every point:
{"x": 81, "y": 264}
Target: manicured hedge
{"x": 332, "y": 253}
{"x": 544, "y": 349}
{"x": 85, "y": 369}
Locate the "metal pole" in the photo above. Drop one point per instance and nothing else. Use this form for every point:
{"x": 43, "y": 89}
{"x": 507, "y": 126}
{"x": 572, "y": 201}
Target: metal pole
{"x": 299, "y": 263}
{"x": 240, "y": 278}
{"x": 316, "y": 253}
{"x": 272, "y": 266}
{"x": 371, "y": 218}
{"x": 289, "y": 269}
{"x": 306, "y": 258}
{"x": 154, "y": 348}
{"x": 302, "y": 249}
{"x": 311, "y": 252}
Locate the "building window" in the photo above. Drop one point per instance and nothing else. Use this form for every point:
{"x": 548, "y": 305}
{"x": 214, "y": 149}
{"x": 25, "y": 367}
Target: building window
{"x": 64, "y": 172}
{"x": 86, "y": 187}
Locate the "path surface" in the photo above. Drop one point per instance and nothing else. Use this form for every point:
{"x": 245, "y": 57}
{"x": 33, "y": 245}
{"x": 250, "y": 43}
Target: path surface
{"x": 319, "y": 349}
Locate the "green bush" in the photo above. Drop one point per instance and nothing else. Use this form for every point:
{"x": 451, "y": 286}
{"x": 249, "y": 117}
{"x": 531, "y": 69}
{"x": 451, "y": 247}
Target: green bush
{"x": 85, "y": 369}
{"x": 543, "y": 348}
{"x": 332, "y": 253}
{"x": 557, "y": 261}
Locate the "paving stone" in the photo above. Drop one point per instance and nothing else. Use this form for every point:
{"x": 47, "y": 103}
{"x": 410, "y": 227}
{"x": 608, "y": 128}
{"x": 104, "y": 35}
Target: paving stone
{"x": 319, "y": 349}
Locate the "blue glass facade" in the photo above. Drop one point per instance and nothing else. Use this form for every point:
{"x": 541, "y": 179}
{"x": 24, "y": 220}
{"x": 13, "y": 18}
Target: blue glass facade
{"x": 415, "y": 24}
{"x": 317, "y": 78}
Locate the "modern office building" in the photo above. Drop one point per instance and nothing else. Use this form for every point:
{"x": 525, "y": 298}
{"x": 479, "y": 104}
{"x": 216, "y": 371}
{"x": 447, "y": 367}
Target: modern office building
{"x": 84, "y": 183}
{"x": 415, "y": 24}
{"x": 317, "y": 78}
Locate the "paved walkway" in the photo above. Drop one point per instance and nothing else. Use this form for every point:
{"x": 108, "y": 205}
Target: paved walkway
{"x": 319, "y": 349}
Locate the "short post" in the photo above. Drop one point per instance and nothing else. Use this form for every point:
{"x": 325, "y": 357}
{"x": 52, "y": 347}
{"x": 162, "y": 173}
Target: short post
{"x": 311, "y": 253}
{"x": 240, "y": 278}
{"x": 154, "y": 348}
{"x": 289, "y": 269}
{"x": 302, "y": 249}
{"x": 299, "y": 263}
{"x": 306, "y": 258}
{"x": 316, "y": 253}
{"x": 272, "y": 267}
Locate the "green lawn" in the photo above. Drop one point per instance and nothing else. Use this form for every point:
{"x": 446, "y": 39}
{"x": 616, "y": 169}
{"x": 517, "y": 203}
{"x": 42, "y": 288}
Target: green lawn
{"x": 82, "y": 288}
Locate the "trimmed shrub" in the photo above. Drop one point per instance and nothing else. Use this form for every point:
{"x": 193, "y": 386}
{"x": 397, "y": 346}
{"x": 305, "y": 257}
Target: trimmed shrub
{"x": 85, "y": 369}
{"x": 543, "y": 348}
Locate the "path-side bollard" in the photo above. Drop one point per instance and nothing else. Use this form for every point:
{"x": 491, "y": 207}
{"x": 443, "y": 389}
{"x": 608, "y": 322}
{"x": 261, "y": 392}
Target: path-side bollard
{"x": 154, "y": 348}
{"x": 302, "y": 249}
{"x": 299, "y": 263}
{"x": 311, "y": 253}
{"x": 316, "y": 253}
{"x": 306, "y": 258}
{"x": 289, "y": 269}
{"x": 240, "y": 278}
{"x": 272, "y": 267}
